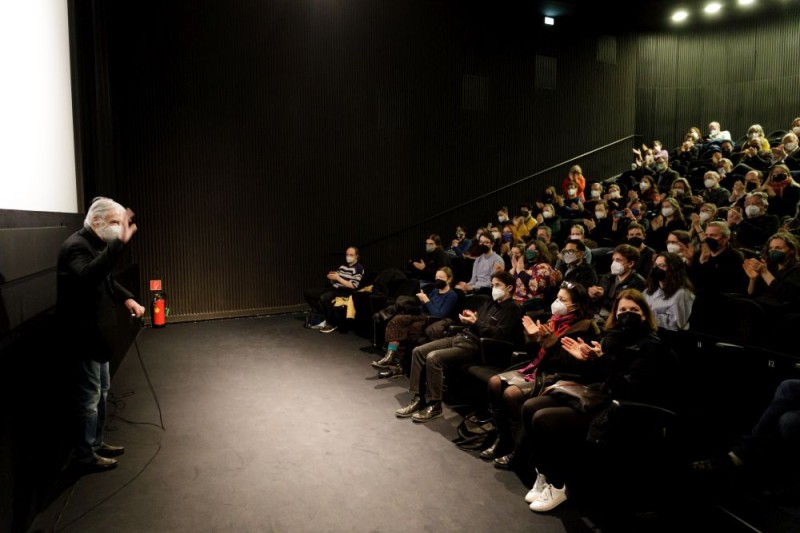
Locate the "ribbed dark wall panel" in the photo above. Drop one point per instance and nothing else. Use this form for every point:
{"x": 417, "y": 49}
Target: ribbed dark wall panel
{"x": 257, "y": 140}
{"x": 737, "y": 76}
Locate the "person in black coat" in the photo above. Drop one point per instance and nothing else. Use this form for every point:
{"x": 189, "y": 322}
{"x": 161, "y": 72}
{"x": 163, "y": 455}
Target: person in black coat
{"x": 630, "y": 363}
{"x": 85, "y": 310}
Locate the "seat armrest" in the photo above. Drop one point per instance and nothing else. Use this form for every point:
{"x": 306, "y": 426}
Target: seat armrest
{"x": 496, "y": 352}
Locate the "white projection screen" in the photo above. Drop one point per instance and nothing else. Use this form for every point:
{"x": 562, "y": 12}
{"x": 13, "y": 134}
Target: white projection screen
{"x": 37, "y": 153}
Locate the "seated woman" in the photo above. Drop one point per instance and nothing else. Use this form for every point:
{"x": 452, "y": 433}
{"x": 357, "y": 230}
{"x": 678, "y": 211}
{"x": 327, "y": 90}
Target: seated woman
{"x": 341, "y": 282}
{"x": 670, "y": 219}
{"x": 669, "y": 292}
{"x": 631, "y": 363}
{"x": 775, "y": 282}
{"x": 534, "y": 276}
{"x": 440, "y": 302}
{"x": 509, "y": 390}
{"x": 680, "y": 242}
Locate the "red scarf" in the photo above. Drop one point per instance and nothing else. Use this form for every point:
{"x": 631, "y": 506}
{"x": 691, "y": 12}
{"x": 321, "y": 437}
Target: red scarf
{"x": 778, "y": 186}
{"x": 560, "y": 324}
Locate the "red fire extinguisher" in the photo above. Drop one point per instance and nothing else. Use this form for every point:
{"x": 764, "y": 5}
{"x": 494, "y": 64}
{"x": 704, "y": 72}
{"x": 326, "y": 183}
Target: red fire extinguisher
{"x": 159, "y": 310}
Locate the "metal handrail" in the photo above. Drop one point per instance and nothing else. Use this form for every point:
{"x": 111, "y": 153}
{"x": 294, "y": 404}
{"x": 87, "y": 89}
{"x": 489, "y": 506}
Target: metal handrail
{"x": 504, "y": 187}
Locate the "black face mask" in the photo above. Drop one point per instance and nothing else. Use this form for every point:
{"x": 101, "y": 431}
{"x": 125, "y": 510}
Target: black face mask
{"x": 658, "y": 274}
{"x": 712, "y": 244}
{"x": 483, "y": 248}
{"x": 440, "y": 284}
{"x": 779, "y": 177}
{"x": 750, "y": 186}
{"x": 636, "y": 242}
{"x": 629, "y": 321}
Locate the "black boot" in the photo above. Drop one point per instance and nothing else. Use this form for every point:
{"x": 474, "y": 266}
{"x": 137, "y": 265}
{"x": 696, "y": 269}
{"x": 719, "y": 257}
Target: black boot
{"x": 392, "y": 370}
{"x": 385, "y": 361}
{"x": 489, "y": 453}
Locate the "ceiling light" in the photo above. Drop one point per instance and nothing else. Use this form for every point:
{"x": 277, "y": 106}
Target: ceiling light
{"x": 746, "y": 2}
{"x": 680, "y": 15}
{"x": 712, "y": 8}
{"x": 550, "y": 21}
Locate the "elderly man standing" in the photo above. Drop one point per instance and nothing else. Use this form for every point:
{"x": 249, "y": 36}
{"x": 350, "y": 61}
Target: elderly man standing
{"x": 87, "y": 296}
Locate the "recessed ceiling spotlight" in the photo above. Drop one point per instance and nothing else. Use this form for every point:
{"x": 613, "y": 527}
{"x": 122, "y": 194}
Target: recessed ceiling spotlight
{"x": 713, "y": 8}
{"x": 746, "y": 2}
{"x": 550, "y": 21}
{"x": 680, "y": 15}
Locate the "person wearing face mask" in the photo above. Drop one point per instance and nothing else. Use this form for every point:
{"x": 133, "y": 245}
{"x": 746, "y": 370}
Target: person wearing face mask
{"x": 594, "y": 197}
{"x": 526, "y": 212}
{"x": 545, "y": 235}
{"x": 783, "y": 191}
{"x": 614, "y": 198}
{"x": 664, "y": 176}
{"x": 87, "y": 298}
{"x": 578, "y": 233}
{"x": 502, "y": 216}
{"x": 669, "y": 219}
{"x": 509, "y": 390}
{"x": 439, "y": 302}
{"x": 680, "y": 242}
{"x": 574, "y": 184}
{"x": 534, "y": 276}
{"x": 682, "y": 192}
{"x": 486, "y": 264}
{"x": 713, "y": 193}
{"x": 623, "y": 276}
{"x": 634, "y": 236}
{"x": 716, "y": 134}
{"x": 756, "y": 133}
{"x": 630, "y": 363}
{"x": 574, "y": 267}
{"x": 550, "y": 218}
{"x": 461, "y": 243}
{"x": 599, "y": 226}
{"x": 716, "y": 273}
{"x": 754, "y": 228}
{"x": 669, "y": 292}
{"x": 498, "y": 319}
{"x": 788, "y": 152}
{"x": 508, "y": 238}
{"x": 341, "y": 282}
{"x": 774, "y": 282}
{"x": 699, "y": 220}
{"x": 648, "y": 192}
{"x": 424, "y": 268}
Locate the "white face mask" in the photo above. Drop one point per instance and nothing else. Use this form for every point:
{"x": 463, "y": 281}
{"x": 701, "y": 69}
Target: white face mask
{"x": 573, "y": 191}
{"x": 644, "y": 185}
{"x": 709, "y": 183}
{"x": 501, "y": 218}
{"x": 559, "y": 308}
{"x": 547, "y": 214}
{"x": 617, "y": 268}
{"x": 796, "y": 130}
{"x": 109, "y": 232}
{"x": 677, "y": 192}
{"x": 570, "y": 257}
{"x": 350, "y": 259}
{"x": 614, "y": 194}
{"x": 599, "y": 215}
{"x": 704, "y": 215}
{"x": 790, "y": 147}
{"x": 595, "y": 193}
{"x": 667, "y": 211}
{"x": 430, "y": 247}
{"x": 673, "y": 248}
{"x": 752, "y": 211}
{"x": 498, "y": 293}
{"x": 714, "y": 133}
{"x": 496, "y": 235}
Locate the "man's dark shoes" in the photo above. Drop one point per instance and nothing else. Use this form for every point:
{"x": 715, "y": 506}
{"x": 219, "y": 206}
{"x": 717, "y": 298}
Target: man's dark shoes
{"x": 107, "y": 450}
{"x": 410, "y": 409}
{"x": 391, "y": 371}
{"x": 99, "y": 464}
{"x": 505, "y": 462}
{"x": 427, "y": 414}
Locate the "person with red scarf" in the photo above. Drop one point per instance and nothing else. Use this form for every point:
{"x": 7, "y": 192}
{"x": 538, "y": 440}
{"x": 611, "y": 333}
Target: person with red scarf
{"x": 509, "y": 390}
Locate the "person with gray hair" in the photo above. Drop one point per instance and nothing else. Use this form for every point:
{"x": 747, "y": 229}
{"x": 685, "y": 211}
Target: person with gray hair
{"x": 753, "y": 227}
{"x": 87, "y": 319}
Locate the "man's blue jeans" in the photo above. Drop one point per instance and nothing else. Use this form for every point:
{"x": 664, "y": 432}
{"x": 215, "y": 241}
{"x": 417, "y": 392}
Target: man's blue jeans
{"x": 93, "y": 382}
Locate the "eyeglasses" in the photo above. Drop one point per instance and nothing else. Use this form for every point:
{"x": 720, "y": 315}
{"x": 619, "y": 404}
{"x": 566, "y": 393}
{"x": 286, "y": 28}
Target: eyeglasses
{"x": 567, "y": 285}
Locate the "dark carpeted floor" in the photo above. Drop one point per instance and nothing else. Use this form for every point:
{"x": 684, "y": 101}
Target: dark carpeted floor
{"x": 272, "y": 427}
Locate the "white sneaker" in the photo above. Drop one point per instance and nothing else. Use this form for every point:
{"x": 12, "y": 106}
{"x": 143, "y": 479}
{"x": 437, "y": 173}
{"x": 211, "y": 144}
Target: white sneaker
{"x": 549, "y": 499}
{"x": 537, "y": 488}
{"x": 320, "y": 325}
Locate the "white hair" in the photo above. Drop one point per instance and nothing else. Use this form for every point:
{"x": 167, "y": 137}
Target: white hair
{"x": 100, "y": 208}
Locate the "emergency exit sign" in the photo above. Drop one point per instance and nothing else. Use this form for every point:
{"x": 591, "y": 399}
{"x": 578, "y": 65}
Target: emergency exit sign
{"x": 155, "y": 284}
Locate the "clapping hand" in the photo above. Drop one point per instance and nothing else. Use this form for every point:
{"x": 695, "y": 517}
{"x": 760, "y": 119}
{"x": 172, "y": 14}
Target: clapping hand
{"x": 535, "y": 328}
{"x": 754, "y": 267}
{"x": 580, "y": 350}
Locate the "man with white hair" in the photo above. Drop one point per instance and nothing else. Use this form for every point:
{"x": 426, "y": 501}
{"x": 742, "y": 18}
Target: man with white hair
{"x": 85, "y": 307}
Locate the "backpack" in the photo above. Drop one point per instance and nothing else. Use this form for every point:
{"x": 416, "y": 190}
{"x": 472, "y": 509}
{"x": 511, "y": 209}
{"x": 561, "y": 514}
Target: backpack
{"x": 476, "y": 431}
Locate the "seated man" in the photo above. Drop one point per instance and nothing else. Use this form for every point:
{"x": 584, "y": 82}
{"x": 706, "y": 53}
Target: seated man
{"x": 499, "y": 319}
{"x": 635, "y": 237}
{"x": 342, "y": 282}
{"x": 623, "y": 276}
{"x": 756, "y": 226}
{"x": 574, "y": 267}
{"x": 482, "y": 269}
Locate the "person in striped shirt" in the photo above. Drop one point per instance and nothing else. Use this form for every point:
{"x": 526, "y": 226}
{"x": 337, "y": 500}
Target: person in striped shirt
{"x": 341, "y": 282}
